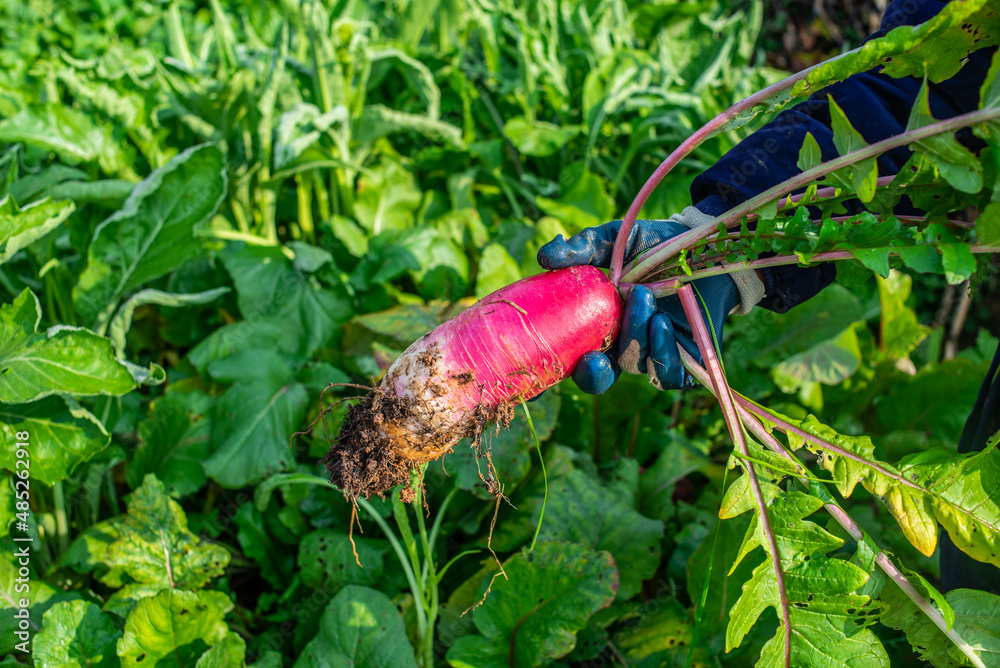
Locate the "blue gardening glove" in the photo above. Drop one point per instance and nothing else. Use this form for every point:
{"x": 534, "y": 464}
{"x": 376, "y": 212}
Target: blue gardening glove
{"x": 651, "y": 328}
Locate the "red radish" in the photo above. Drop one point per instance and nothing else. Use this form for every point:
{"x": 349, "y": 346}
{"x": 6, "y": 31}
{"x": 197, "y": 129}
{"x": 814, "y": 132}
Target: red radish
{"x": 473, "y": 369}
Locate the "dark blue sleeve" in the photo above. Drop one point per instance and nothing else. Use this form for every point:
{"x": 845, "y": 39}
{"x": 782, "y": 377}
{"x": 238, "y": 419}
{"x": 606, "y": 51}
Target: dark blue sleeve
{"x": 877, "y": 105}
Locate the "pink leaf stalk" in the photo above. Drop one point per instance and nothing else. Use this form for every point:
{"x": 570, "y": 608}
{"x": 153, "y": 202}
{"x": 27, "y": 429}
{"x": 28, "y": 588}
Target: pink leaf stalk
{"x": 722, "y": 392}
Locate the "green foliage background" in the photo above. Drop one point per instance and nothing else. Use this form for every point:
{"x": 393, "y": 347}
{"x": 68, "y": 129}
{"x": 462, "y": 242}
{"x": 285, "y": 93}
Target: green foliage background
{"x": 213, "y": 210}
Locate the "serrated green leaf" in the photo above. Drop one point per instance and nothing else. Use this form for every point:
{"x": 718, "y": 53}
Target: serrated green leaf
{"x": 76, "y": 634}
{"x": 924, "y": 489}
{"x": 64, "y": 434}
{"x": 20, "y": 227}
{"x": 360, "y": 627}
{"x": 68, "y": 360}
{"x": 155, "y": 548}
{"x": 533, "y": 616}
{"x": 581, "y": 511}
{"x": 937, "y": 47}
{"x": 824, "y": 621}
{"x": 977, "y": 621}
{"x": 174, "y": 628}
{"x": 153, "y": 233}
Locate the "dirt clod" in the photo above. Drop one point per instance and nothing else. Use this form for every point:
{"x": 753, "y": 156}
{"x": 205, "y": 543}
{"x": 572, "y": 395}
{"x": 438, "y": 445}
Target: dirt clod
{"x": 361, "y": 462}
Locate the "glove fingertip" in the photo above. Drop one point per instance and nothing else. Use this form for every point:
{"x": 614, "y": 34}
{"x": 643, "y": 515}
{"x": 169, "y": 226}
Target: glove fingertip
{"x": 595, "y": 373}
{"x": 553, "y": 254}
{"x": 664, "y": 366}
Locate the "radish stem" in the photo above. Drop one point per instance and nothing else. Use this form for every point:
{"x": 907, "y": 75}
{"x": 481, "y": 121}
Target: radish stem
{"x": 658, "y": 254}
{"x": 729, "y": 412}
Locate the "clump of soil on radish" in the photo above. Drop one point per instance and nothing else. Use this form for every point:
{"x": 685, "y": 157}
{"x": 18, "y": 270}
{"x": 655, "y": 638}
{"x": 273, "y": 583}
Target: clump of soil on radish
{"x": 360, "y": 462}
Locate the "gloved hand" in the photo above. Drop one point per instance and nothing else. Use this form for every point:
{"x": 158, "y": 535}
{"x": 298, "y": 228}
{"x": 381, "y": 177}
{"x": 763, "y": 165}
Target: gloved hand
{"x": 651, "y": 328}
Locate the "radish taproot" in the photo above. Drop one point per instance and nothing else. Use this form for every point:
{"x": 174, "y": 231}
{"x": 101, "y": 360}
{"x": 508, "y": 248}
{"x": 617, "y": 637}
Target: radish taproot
{"x": 472, "y": 370}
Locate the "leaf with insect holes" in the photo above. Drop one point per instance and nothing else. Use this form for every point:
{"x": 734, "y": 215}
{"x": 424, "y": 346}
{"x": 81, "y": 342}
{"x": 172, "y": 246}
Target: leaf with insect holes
{"x": 824, "y": 621}
{"x": 976, "y": 620}
{"x": 360, "y": 627}
{"x": 326, "y": 561}
{"x": 174, "y": 628}
{"x": 64, "y": 435}
{"x": 532, "y": 616}
{"x": 154, "y": 232}
{"x": 923, "y": 489}
{"x": 957, "y": 164}
{"x": 20, "y": 227}
{"x": 937, "y": 47}
{"x": 68, "y": 360}
{"x": 154, "y": 546}
{"x": 77, "y": 634}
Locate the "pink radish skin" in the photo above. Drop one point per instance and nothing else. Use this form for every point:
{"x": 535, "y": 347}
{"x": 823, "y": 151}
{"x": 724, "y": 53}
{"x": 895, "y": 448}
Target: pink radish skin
{"x": 473, "y": 369}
